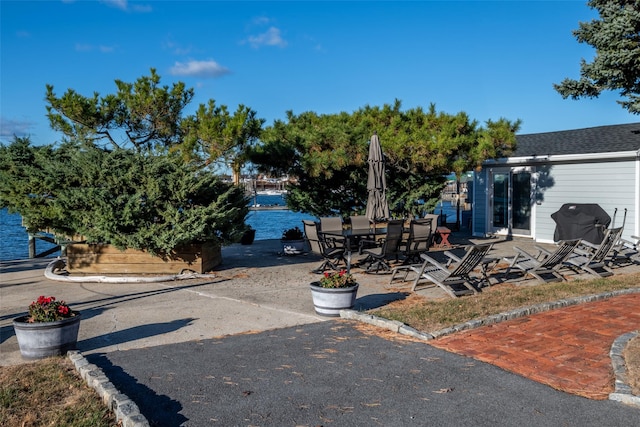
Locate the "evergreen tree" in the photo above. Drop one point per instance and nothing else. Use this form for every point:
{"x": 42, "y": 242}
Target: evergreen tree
{"x": 120, "y": 197}
{"x": 616, "y": 65}
{"x": 143, "y": 115}
{"x": 328, "y": 155}
{"x": 128, "y": 171}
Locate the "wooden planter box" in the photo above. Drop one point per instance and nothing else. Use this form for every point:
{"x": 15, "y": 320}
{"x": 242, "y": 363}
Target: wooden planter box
{"x": 85, "y": 258}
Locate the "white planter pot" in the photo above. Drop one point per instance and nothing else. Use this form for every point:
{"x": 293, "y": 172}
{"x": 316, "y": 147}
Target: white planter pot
{"x": 45, "y": 339}
{"x": 329, "y": 301}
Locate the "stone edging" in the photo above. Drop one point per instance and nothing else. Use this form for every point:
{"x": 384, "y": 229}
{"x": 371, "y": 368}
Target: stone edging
{"x": 125, "y": 410}
{"x": 622, "y": 390}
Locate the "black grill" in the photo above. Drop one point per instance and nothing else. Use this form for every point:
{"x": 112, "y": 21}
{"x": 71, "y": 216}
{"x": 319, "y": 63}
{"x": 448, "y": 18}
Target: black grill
{"x": 586, "y": 221}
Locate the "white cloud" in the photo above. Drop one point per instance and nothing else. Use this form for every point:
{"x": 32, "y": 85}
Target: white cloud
{"x": 271, "y": 37}
{"x": 9, "y": 127}
{"x": 142, "y": 8}
{"x": 176, "y": 47}
{"x": 199, "y": 68}
{"x": 124, "y": 5}
{"x": 261, "y": 20}
{"x": 118, "y": 4}
{"x": 85, "y": 47}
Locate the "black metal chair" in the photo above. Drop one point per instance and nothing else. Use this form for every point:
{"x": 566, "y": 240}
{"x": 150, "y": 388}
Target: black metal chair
{"x": 419, "y": 240}
{"x": 384, "y": 248}
{"x": 360, "y": 222}
{"x": 331, "y": 249}
{"x": 331, "y": 223}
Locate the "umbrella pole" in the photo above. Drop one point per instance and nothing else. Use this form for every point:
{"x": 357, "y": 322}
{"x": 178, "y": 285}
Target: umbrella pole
{"x": 457, "y": 203}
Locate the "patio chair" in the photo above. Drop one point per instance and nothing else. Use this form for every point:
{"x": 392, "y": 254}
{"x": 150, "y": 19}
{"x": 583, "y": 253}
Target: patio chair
{"x": 331, "y": 223}
{"x": 310, "y": 229}
{"x": 382, "y": 249}
{"x": 419, "y": 240}
{"x": 360, "y": 222}
{"x": 545, "y": 265}
{"x": 331, "y": 249}
{"x": 627, "y": 251}
{"x": 435, "y": 220}
{"x": 593, "y": 259}
{"x": 455, "y": 280}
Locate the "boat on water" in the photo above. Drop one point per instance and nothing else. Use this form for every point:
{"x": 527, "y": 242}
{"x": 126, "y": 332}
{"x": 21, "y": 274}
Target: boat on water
{"x": 271, "y": 192}
{"x": 259, "y": 207}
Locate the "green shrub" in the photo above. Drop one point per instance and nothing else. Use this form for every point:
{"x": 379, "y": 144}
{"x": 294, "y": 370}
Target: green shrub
{"x": 126, "y": 198}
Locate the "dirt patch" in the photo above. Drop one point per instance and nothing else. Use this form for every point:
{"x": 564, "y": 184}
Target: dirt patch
{"x": 631, "y": 356}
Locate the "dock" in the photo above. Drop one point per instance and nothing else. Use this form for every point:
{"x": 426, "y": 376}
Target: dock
{"x": 269, "y": 208}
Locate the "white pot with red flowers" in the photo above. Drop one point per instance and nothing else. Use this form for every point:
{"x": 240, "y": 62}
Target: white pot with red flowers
{"x": 334, "y": 292}
{"x": 50, "y": 329}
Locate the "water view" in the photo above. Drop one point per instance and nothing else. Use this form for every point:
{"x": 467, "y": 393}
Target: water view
{"x": 269, "y": 224}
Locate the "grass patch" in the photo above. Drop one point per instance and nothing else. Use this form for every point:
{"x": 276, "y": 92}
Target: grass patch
{"x": 49, "y": 392}
{"x": 431, "y": 315}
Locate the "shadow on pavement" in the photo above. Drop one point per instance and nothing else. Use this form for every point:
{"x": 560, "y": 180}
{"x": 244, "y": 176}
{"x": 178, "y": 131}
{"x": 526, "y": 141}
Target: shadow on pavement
{"x": 133, "y": 334}
{"x": 24, "y": 265}
{"x": 263, "y": 253}
{"x": 158, "y": 409}
{"x": 372, "y": 301}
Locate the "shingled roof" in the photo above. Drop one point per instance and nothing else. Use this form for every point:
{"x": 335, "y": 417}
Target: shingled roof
{"x": 601, "y": 139}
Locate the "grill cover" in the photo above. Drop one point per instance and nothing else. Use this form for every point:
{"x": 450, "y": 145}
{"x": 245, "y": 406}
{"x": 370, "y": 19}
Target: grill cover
{"x": 586, "y": 221}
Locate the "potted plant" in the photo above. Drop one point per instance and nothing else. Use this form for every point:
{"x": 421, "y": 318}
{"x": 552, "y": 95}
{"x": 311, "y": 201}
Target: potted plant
{"x": 334, "y": 292}
{"x": 248, "y": 236}
{"x": 292, "y": 241}
{"x": 50, "y": 329}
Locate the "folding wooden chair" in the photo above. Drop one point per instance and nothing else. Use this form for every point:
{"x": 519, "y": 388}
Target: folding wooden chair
{"x": 455, "y": 280}
{"x": 545, "y": 266}
{"x": 592, "y": 258}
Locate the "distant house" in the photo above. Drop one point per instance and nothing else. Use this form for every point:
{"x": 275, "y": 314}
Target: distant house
{"x": 517, "y": 195}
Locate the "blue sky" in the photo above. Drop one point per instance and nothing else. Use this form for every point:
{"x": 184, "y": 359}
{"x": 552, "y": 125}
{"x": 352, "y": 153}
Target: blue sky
{"x": 488, "y": 59}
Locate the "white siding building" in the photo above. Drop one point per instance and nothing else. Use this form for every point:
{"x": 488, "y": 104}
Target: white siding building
{"x": 517, "y": 195}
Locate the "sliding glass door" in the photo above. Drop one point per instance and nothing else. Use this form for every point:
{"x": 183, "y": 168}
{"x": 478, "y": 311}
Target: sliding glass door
{"x": 511, "y": 201}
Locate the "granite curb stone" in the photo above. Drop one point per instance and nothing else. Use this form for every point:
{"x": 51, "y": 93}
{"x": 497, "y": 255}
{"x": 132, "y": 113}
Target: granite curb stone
{"x": 622, "y": 391}
{"x": 125, "y": 410}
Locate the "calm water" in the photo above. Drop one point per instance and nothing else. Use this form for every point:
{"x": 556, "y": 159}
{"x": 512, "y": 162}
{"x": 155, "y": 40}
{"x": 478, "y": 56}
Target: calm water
{"x": 269, "y": 224}
{"x": 14, "y": 241}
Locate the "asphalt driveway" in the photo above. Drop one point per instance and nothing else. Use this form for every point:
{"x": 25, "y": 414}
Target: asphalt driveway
{"x": 337, "y": 373}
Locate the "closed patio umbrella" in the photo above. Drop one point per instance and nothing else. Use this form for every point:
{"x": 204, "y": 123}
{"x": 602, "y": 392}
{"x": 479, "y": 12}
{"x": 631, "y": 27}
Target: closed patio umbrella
{"x": 377, "y": 206}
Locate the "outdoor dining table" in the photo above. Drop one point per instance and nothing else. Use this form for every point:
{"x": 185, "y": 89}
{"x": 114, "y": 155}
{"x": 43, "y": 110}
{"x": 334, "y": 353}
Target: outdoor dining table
{"x": 351, "y": 235}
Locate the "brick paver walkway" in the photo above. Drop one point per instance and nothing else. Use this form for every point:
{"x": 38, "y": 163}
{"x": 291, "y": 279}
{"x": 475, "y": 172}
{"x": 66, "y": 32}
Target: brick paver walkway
{"x": 567, "y": 349}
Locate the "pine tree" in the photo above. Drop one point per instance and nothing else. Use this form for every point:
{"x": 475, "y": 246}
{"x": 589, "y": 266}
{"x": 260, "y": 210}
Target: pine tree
{"x": 616, "y": 65}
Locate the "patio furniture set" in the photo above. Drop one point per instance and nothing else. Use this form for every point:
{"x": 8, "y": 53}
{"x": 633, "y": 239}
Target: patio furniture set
{"x": 337, "y": 242}
{"x": 410, "y": 244}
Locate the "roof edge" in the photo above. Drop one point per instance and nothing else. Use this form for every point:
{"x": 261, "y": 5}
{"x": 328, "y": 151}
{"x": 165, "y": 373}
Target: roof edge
{"x": 617, "y": 155}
